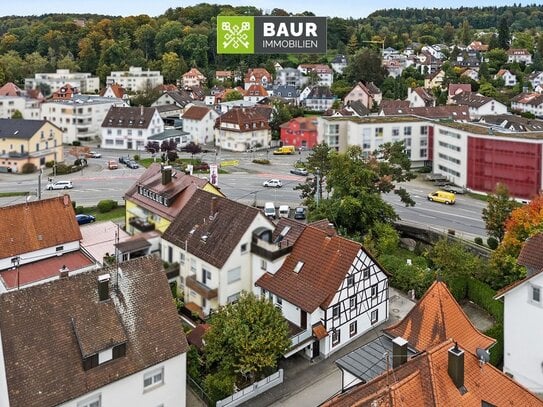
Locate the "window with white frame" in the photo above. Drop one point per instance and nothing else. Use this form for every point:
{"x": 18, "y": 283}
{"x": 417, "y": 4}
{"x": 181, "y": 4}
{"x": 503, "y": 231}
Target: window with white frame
{"x": 374, "y": 316}
{"x": 395, "y": 131}
{"x": 407, "y": 131}
{"x": 378, "y": 132}
{"x": 232, "y": 298}
{"x": 181, "y": 258}
{"x": 279, "y": 300}
{"x": 234, "y": 275}
{"x": 353, "y": 328}
{"x": 193, "y": 265}
{"x": 366, "y": 273}
{"x": 423, "y": 130}
{"x": 350, "y": 281}
{"x": 535, "y": 294}
{"x": 92, "y": 401}
{"x": 336, "y": 337}
{"x": 153, "y": 378}
{"x": 263, "y": 264}
{"x": 335, "y": 311}
{"x": 374, "y": 291}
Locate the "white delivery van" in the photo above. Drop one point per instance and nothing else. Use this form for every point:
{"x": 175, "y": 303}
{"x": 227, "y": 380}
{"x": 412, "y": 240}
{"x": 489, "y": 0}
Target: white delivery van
{"x": 269, "y": 210}
{"x": 284, "y": 211}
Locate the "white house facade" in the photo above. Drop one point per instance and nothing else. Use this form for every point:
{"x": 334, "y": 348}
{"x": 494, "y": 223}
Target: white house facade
{"x": 135, "y": 79}
{"x": 29, "y": 108}
{"x": 198, "y": 121}
{"x": 85, "y": 82}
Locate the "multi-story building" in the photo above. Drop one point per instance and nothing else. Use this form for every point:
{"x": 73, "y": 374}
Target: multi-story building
{"x": 300, "y": 132}
{"x": 257, "y": 76}
{"x": 528, "y": 102}
{"x": 339, "y": 63}
{"x": 79, "y": 118}
{"x": 128, "y": 128}
{"x": 193, "y": 78}
{"x": 198, "y": 121}
{"x": 368, "y": 94}
{"x": 255, "y": 93}
{"x": 319, "y": 99}
{"x": 479, "y": 105}
{"x": 85, "y": 82}
{"x": 290, "y": 77}
{"x": 324, "y": 73}
{"x": 29, "y": 108}
{"x": 241, "y": 128}
{"x": 103, "y": 337}
{"x": 519, "y": 55}
{"x": 135, "y": 79}
{"x": 28, "y": 141}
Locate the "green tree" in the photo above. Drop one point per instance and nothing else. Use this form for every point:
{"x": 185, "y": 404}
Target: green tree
{"x": 67, "y": 62}
{"x": 13, "y": 66}
{"x": 503, "y": 33}
{"x": 496, "y": 59}
{"x": 366, "y": 66}
{"x": 170, "y": 30}
{"x": 448, "y": 33}
{"x": 145, "y": 39}
{"x": 340, "y": 88}
{"x": 195, "y": 48}
{"x": 465, "y": 32}
{"x": 452, "y": 261}
{"x": 352, "y": 45}
{"x": 172, "y": 67}
{"x": 233, "y": 95}
{"x": 17, "y": 114}
{"x": 246, "y": 338}
{"x": 498, "y": 209}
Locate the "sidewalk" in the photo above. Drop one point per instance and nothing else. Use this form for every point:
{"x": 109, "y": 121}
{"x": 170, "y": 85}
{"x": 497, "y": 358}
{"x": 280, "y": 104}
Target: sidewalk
{"x": 307, "y": 383}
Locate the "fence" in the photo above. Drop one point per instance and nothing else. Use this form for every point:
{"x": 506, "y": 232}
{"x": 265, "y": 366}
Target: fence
{"x": 199, "y": 391}
{"x": 252, "y": 391}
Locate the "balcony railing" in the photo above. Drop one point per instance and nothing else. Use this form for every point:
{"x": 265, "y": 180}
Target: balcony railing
{"x": 201, "y": 288}
{"x": 301, "y": 337}
{"x": 141, "y": 224}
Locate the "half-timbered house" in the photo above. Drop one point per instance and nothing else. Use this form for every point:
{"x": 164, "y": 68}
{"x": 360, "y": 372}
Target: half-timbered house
{"x": 330, "y": 290}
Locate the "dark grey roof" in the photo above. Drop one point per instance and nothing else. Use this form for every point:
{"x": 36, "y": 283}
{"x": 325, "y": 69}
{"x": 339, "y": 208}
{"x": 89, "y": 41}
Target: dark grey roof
{"x": 513, "y": 122}
{"x": 339, "y": 59}
{"x": 170, "y": 107}
{"x": 20, "y": 128}
{"x": 286, "y": 91}
{"x": 369, "y": 361}
{"x": 320, "y": 92}
{"x": 359, "y": 108}
{"x": 168, "y": 134}
{"x": 129, "y": 117}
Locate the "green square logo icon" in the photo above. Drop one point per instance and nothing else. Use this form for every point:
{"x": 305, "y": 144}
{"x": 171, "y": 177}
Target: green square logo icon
{"x": 235, "y": 35}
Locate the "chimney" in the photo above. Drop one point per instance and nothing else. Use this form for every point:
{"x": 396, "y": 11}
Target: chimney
{"x": 456, "y": 366}
{"x": 399, "y": 352}
{"x": 214, "y": 202}
{"x": 63, "y": 271}
{"x": 166, "y": 174}
{"x": 103, "y": 287}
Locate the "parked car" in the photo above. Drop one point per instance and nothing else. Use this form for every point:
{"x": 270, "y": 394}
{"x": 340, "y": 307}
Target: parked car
{"x": 112, "y": 165}
{"x": 132, "y": 164}
{"x": 454, "y": 189}
{"x": 269, "y": 210}
{"x": 59, "y": 185}
{"x": 93, "y": 154}
{"x": 299, "y": 213}
{"x": 299, "y": 171}
{"x": 273, "y": 183}
{"x": 124, "y": 159}
{"x": 83, "y": 218}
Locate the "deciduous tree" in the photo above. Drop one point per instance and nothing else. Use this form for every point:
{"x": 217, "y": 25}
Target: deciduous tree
{"x": 498, "y": 209}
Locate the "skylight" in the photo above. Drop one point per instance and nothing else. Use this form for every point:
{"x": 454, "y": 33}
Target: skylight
{"x": 299, "y": 266}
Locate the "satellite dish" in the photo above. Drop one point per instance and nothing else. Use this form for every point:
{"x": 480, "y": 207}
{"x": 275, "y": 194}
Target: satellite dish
{"x": 483, "y": 355}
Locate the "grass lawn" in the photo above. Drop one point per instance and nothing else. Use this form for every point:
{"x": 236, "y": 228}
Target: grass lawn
{"x": 8, "y": 194}
{"x": 115, "y": 214}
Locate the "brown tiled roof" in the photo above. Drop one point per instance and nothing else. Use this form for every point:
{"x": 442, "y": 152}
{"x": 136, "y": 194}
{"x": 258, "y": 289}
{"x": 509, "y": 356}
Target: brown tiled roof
{"x": 42, "y": 351}
{"x": 256, "y": 90}
{"x": 454, "y": 112}
{"x": 529, "y": 98}
{"x": 117, "y": 90}
{"x": 456, "y": 88}
{"x": 424, "y": 382}
{"x": 37, "y": 225}
{"x": 223, "y": 74}
{"x": 436, "y": 318}
{"x": 424, "y": 95}
{"x": 258, "y": 73}
{"x": 304, "y": 123}
{"x": 196, "y": 336}
{"x": 10, "y": 89}
{"x": 193, "y": 72}
{"x": 213, "y": 238}
{"x": 319, "y": 331}
{"x": 244, "y": 118}
{"x": 129, "y": 117}
{"x": 196, "y": 112}
{"x": 471, "y": 99}
{"x": 295, "y": 229}
{"x": 326, "y": 261}
{"x": 390, "y": 107}
{"x": 180, "y": 189}
{"x": 517, "y": 51}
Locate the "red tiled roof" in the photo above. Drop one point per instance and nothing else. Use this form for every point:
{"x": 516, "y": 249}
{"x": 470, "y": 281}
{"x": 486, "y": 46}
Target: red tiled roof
{"x": 32, "y": 226}
{"x": 196, "y": 336}
{"x": 436, "y": 318}
{"x": 256, "y": 90}
{"x": 424, "y": 381}
{"x": 258, "y": 74}
{"x": 117, "y": 90}
{"x": 319, "y": 331}
{"x": 326, "y": 260}
{"x": 244, "y": 118}
{"x": 456, "y": 88}
{"x": 196, "y": 112}
{"x": 303, "y": 123}
{"x": 10, "y": 89}
{"x": 193, "y": 72}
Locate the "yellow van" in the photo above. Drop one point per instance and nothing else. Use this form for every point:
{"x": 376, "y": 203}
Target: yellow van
{"x": 285, "y": 150}
{"x": 441, "y": 196}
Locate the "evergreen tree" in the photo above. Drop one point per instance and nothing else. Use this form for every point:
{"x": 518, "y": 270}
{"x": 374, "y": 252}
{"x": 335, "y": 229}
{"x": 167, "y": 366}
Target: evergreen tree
{"x": 503, "y": 33}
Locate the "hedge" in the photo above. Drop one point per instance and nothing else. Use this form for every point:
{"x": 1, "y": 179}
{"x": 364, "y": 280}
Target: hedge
{"x": 106, "y": 205}
{"x": 496, "y": 352}
{"x": 482, "y": 295}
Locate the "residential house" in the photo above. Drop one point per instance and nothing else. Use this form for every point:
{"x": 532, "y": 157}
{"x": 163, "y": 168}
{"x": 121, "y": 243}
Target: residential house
{"x": 255, "y": 93}
{"x": 419, "y": 97}
{"x": 290, "y": 77}
{"x": 426, "y": 63}
{"x": 456, "y": 89}
{"x": 211, "y": 242}
{"x": 83, "y": 81}
{"x": 158, "y": 196}
{"x": 448, "y": 112}
{"x": 198, "y": 121}
{"x": 393, "y": 107}
{"x": 436, "y": 318}
{"x": 79, "y": 118}
{"x": 39, "y": 238}
{"x": 522, "y": 306}
{"x": 257, "y": 76}
{"x": 470, "y": 73}
{"x": 135, "y": 79}
{"x": 529, "y": 102}
{"x": 536, "y": 79}
{"x": 193, "y": 78}
{"x": 479, "y": 105}
{"x": 434, "y": 50}
{"x": 286, "y": 92}
{"x": 395, "y": 67}
{"x": 65, "y": 92}
{"x": 303, "y": 94}
{"x": 129, "y": 128}
{"x": 242, "y": 128}
{"x": 300, "y": 132}
{"x": 519, "y": 55}
{"x": 339, "y": 63}
{"x": 513, "y": 122}
{"x": 323, "y": 72}
{"x": 357, "y": 108}
{"x": 319, "y": 99}
{"x": 329, "y": 289}
{"x": 509, "y": 79}
{"x": 477, "y": 46}
{"x": 367, "y": 93}
{"x": 179, "y": 98}
{"x": 222, "y": 76}
{"x": 467, "y": 59}
{"x": 10, "y": 89}
{"x": 434, "y": 80}
{"x": 28, "y": 142}
{"x": 13, "y": 99}
{"x": 103, "y": 337}
{"x": 114, "y": 91}
{"x": 444, "y": 375}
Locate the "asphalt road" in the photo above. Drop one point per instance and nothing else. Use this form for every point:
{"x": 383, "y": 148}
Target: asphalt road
{"x": 244, "y": 184}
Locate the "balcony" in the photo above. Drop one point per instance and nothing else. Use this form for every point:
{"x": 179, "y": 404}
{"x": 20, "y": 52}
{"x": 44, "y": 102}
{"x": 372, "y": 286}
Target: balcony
{"x": 200, "y": 288}
{"x": 141, "y": 224}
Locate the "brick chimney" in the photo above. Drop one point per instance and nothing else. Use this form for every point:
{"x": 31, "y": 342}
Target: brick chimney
{"x": 399, "y": 352}
{"x": 63, "y": 271}
{"x": 456, "y": 366}
{"x": 103, "y": 287}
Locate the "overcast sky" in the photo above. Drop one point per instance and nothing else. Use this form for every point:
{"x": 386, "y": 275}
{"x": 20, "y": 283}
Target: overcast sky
{"x": 330, "y": 8}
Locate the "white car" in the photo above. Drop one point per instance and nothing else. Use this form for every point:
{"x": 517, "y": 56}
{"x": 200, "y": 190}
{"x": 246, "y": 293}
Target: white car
{"x": 273, "y": 183}
{"x": 59, "y": 185}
